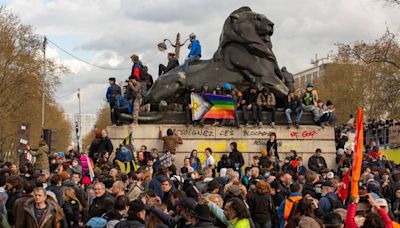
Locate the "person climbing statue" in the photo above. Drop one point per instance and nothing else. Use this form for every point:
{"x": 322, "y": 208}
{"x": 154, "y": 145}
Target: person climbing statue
{"x": 194, "y": 54}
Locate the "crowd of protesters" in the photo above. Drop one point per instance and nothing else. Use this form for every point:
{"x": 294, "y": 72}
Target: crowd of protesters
{"x": 101, "y": 187}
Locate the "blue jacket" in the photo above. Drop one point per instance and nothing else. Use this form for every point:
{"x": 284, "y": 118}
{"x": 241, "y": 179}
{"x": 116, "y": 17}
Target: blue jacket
{"x": 196, "y": 49}
{"x": 122, "y": 102}
{"x": 281, "y": 209}
{"x": 325, "y": 205}
{"x": 112, "y": 88}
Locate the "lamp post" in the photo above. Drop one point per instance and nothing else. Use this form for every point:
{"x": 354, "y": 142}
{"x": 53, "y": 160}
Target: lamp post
{"x": 43, "y": 79}
{"x": 163, "y": 46}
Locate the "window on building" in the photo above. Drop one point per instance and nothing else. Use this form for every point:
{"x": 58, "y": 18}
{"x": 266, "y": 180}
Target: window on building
{"x": 297, "y": 82}
{"x": 315, "y": 75}
{"x": 308, "y": 78}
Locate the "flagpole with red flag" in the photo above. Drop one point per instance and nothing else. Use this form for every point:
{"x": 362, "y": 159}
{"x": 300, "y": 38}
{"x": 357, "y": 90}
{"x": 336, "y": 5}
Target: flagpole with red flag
{"x": 358, "y": 153}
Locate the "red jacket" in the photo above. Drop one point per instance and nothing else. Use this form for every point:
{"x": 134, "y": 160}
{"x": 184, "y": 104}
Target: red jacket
{"x": 351, "y": 214}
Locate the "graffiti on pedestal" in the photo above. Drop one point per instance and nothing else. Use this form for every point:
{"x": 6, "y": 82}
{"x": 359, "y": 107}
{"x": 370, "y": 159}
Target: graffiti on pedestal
{"x": 303, "y": 134}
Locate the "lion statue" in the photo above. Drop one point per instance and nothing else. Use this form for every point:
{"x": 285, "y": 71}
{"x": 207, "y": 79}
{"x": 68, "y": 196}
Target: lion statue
{"x": 244, "y": 57}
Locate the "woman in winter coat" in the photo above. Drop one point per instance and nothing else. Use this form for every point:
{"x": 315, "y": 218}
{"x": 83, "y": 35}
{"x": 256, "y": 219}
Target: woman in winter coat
{"x": 260, "y": 204}
{"x": 72, "y": 208}
{"x": 272, "y": 146}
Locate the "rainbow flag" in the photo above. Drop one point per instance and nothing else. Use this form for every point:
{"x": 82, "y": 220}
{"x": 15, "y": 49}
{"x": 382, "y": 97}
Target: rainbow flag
{"x": 200, "y": 106}
{"x": 223, "y": 107}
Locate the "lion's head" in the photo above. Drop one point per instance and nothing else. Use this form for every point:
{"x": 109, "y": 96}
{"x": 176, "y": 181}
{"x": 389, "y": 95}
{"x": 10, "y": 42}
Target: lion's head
{"x": 248, "y": 28}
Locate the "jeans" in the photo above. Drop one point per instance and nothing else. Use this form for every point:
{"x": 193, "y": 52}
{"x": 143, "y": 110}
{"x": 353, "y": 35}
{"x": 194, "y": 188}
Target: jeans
{"x": 263, "y": 225}
{"x": 298, "y": 112}
{"x": 185, "y": 66}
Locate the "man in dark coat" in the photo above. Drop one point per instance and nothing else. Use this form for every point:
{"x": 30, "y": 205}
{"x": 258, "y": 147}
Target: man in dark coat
{"x": 249, "y": 105}
{"x": 172, "y": 63}
{"x": 316, "y": 162}
{"x": 19, "y": 203}
{"x": 112, "y": 91}
{"x": 102, "y": 203}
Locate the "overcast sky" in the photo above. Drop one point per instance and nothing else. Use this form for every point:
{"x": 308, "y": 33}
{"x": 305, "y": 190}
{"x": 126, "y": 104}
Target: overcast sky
{"x": 107, "y": 32}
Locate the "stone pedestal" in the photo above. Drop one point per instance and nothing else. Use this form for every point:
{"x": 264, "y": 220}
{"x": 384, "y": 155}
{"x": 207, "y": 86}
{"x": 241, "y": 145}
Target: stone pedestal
{"x": 250, "y": 140}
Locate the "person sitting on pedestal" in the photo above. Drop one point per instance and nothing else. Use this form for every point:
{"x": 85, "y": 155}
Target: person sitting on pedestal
{"x": 293, "y": 104}
{"x": 249, "y": 105}
{"x": 172, "y": 63}
{"x": 310, "y": 98}
{"x": 194, "y": 54}
{"x": 266, "y": 101}
{"x": 121, "y": 106}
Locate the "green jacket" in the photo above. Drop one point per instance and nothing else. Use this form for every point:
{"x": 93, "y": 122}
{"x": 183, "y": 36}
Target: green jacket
{"x": 242, "y": 223}
{"x": 42, "y": 158}
{"x": 234, "y": 223}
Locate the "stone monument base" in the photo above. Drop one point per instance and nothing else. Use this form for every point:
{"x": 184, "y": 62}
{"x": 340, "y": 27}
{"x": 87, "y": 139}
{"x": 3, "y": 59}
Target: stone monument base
{"x": 250, "y": 140}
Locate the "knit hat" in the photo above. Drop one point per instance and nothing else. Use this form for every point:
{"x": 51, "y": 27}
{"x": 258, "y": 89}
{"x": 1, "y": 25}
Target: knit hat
{"x": 86, "y": 180}
{"x": 375, "y": 155}
{"x": 263, "y": 151}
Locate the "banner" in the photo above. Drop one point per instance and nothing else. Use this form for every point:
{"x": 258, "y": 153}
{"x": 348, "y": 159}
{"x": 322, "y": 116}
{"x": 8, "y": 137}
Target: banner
{"x": 200, "y": 106}
{"x": 223, "y": 107}
{"x": 344, "y": 188}
{"x": 358, "y": 153}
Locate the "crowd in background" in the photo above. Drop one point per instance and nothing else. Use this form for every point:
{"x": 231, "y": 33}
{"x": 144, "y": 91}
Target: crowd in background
{"x": 132, "y": 187}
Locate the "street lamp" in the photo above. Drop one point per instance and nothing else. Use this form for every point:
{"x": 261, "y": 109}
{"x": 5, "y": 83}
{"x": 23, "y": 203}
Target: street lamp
{"x": 163, "y": 46}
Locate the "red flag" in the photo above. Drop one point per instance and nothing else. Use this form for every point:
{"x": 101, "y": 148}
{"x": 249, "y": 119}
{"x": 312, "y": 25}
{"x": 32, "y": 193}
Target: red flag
{"x": 344, "y": 188}
{"x": 358, "y": 153}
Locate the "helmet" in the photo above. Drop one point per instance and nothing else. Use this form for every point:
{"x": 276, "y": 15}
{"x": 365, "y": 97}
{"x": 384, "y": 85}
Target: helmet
{"x": 227, "y": 86}
{"x": 310, "y": 84}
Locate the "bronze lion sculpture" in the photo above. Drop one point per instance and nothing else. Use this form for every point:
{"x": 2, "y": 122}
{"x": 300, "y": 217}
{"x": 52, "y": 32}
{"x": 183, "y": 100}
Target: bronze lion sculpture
{"x": 244, "y": 57}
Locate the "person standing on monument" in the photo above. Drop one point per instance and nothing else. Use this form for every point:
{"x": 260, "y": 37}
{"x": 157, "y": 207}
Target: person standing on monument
{"x": 137, "y": 94}
{"x": 172, "y": 63}
{"x": 194, "y": 54}
{"x": 112, "y": 91}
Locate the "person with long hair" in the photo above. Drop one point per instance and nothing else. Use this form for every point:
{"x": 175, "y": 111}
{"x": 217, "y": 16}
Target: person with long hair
{"x": 272, "y": 146}
{"x": 303, "y": 216}
{"x": 194, "y": 160}
{"x": 236, "y": 158}
{"x": 260, "y": 205}
{"x": 72, "y": 208}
